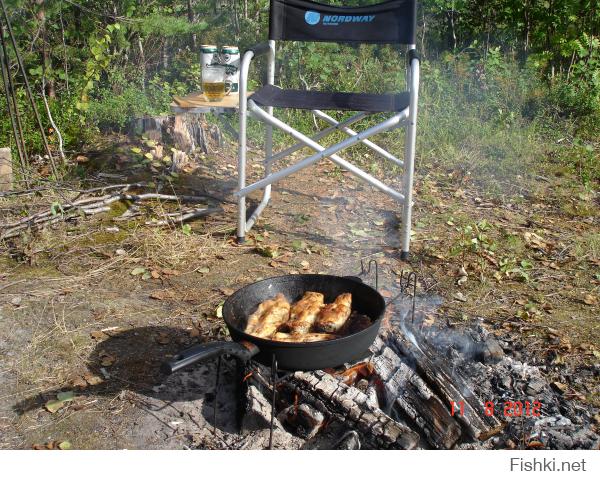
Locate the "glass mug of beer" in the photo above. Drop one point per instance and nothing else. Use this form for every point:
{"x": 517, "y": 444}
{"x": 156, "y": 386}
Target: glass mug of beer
{"x": 214, "y": 85}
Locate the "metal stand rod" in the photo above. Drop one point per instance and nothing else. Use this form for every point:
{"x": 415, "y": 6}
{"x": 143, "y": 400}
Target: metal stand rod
{"x": 274, "y": 384}
{"x": 367, "y": 270}
{"x": 216, "y": 396}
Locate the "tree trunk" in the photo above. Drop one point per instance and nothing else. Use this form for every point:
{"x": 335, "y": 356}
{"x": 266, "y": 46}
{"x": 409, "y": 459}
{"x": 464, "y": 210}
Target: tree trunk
{"x": 46, "y": 61}
{"x": 191, "y": 19}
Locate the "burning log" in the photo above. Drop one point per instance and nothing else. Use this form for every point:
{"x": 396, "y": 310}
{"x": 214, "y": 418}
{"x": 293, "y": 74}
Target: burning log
{"x": 350, "y": 406}
{"x": 405, "y": 390}
{"x": 449, "y": 385}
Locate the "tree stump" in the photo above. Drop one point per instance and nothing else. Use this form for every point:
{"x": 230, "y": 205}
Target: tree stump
{"x": 185, "y": 132}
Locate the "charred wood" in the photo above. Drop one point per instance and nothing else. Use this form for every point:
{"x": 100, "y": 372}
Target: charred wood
{"x": 448, "y": 384}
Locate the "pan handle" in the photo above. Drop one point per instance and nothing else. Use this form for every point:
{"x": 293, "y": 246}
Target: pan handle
{"x": 201, "y": 353}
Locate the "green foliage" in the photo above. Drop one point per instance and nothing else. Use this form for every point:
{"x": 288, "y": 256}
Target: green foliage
{"x": 496, "y": 75}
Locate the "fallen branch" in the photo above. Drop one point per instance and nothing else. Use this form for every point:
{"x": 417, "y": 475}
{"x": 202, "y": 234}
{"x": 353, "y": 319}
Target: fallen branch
{"x": 180, "y": 217}
{"x": 30, "y": 191}
{"x": 93, "y": 205}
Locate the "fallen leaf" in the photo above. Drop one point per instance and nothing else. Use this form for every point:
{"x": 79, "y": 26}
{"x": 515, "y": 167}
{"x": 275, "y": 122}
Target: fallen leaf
{"x": 65, "y": 445}
{"x": 226, "y": 291}
{"x": 269, "y": 251}
{"x": 138, "y": 271}
{"x": 98, "y": 335}
{"x": 194, "y": 332}
{"x": 460, "y": 297}
{"x": 65, "y": 396}
{"x": 54, "y": 406}
{"x": 92, "y": 379}
{"x": 590, "y": 300}
{"x": 219, "y": 311}
{"x": 535, "y": 444}
{"x": 203, "y": 270}
{"x": 79, "y": 382}
{"x": 154, "y": 274}
{"x": 107, "y": 360}
{"x": 166, "y": 294}
{"x": 305, "y": 264}
{"x": 170, "y": 271}
{"x": 298, "y": 245}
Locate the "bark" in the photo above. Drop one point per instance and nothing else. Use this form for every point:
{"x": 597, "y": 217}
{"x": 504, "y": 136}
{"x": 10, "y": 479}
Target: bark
{"x": 406, "y": 391}
{"x": 185, "y": 132}
{"x": 46, "y": 61}
{"x": 191, "y": 19}
{"x": 351, "y": 407}
{"x": 449, "y": 385}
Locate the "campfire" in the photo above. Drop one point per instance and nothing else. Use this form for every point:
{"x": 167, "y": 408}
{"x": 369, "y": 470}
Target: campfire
{"x": 419, "y": 385}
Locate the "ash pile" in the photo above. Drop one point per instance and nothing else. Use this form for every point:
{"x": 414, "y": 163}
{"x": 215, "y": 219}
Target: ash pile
{"x": 421, "y": 387}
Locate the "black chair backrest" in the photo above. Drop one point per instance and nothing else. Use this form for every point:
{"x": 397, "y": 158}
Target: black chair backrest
{"x": 393, "y": 21}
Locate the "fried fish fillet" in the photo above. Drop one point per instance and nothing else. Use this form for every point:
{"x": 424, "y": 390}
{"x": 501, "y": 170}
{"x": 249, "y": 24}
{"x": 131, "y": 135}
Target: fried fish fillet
{"x": 255, "y": 319}
{"x": 274, "y": 316}
{"x": 333, "y": 316}
{"x": 303, "y": 337}
{"x": 304, "y": 312}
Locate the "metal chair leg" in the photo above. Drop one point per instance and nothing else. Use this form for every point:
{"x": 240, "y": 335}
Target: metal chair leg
{"x": 409, "y": 158}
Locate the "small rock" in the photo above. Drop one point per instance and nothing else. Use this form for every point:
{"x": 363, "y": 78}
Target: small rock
{"x": 113, "y": 229}
{"x": 506, "y": 382}
{"x": 535, "y": 386}
{"x": 492, "y": 351}
{"x": 120, "y": 251}
{"x": 16, "y": 301}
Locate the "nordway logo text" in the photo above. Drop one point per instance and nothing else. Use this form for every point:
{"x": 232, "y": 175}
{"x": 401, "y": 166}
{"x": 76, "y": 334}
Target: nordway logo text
{"x": 337, "y": 19}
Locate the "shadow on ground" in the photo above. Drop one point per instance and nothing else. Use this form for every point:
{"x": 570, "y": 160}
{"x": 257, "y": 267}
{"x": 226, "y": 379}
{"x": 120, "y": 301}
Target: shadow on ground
{"x": 135, "y": 357}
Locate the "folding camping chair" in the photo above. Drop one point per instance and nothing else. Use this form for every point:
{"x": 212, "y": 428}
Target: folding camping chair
{"x": 390, "y": 22}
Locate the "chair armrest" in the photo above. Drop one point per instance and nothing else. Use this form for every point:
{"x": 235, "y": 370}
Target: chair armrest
{"x": 260, "y": 49}
{"x": 413, "y": 55}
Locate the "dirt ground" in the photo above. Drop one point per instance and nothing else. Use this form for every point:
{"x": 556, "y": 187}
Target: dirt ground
{"x": 91, "y": 306}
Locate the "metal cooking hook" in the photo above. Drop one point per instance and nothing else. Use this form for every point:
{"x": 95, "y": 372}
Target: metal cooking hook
{"x": 364, "y": 271}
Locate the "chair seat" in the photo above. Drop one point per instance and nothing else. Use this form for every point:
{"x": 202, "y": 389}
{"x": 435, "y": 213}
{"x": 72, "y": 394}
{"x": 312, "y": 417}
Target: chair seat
{"x": 272, "y": 96}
